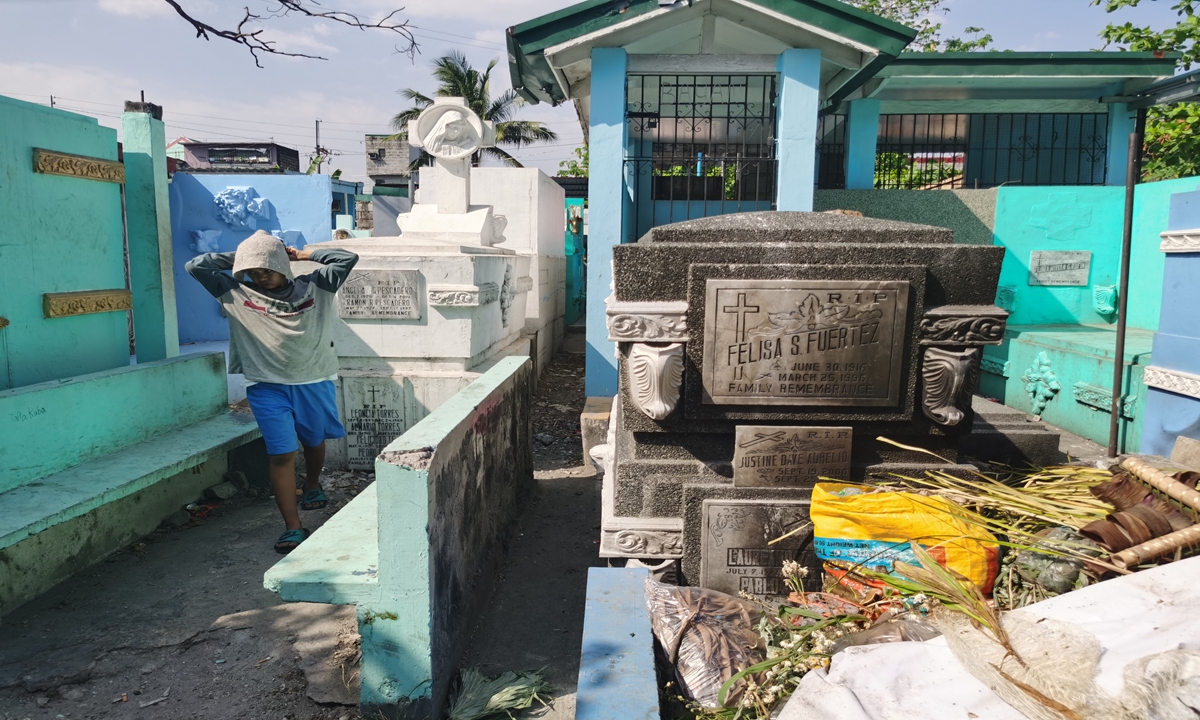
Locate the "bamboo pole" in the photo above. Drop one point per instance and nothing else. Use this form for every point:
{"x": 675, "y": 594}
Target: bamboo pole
{"x": 1156, "y": 548}
{"x": 1162, "y": 482}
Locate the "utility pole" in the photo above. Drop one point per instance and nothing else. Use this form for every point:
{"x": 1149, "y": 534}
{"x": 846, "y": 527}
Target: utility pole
{"x": 51, "y": 101}
{"x": 319, "y": 153}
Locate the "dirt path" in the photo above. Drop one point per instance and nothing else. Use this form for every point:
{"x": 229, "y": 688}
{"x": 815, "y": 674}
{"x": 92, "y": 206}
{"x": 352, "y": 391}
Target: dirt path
{"x": 182, "y": 614}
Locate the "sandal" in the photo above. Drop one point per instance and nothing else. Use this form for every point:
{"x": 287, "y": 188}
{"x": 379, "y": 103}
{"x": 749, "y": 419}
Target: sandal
{"x": 313, "y": 500}
{"x": 290, "y": 540}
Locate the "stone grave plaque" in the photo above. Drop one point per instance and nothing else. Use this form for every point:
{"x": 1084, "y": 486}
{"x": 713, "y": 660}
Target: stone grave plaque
{"x": 766, "y": 456}
{"x": 381, "y": 294}
{"x": 804, "y": 342}
{"x": 374, "y": 417}
{"x": 735, "y": 553}
{"x": 1059, "y": 267}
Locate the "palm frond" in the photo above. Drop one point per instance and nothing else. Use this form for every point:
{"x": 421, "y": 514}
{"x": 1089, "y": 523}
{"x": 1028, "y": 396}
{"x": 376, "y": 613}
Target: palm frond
{"x": 502, "y": 156}
{"x": 523, "y": 132}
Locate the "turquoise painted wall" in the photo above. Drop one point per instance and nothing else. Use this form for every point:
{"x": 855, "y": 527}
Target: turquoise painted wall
{"x": 56, "y": 425}
{"x": 59, "y": 234}
{"x": 1083, "y": 218}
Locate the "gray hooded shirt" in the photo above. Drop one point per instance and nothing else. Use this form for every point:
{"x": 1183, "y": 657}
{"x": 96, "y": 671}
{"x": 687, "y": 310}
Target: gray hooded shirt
{"x": 280, "y": 336}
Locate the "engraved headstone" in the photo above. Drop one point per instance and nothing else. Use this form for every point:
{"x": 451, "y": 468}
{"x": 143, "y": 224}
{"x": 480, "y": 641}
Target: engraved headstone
{"x": 382, "y": 294}
{"x": 374, "y": 417}
{"x": 738, "y": 555}
{"x": 804, "y": 342}
{"x": 769, "y": 456}
{"x": 1059, "y": 267}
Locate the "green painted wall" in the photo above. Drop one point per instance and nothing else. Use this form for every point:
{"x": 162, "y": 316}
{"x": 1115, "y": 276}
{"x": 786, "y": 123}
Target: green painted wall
{"x": 59, "y": 234}
{"x": 56, "y": 425}
{"x": 970, "y": 213}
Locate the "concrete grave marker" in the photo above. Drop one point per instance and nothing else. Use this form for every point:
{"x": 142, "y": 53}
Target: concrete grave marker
{"x": 736, "y": 555}
{"x": 374, "y": 417}
{"x": 767, "y": 456}
{"x": 386, "y": 294}
{"x": 804, "y": 342}
{"x": 1061, "y": 268}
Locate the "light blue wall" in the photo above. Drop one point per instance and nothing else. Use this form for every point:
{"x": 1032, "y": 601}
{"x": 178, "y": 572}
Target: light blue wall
{"x": 298, "y": 203}
{"x": 1177, "y": 342}
{"x": 799, "y": 100}
{"x": 607, "y": 203}
{"x": 57, "y": 234}
{"x": 862, "y": 136}
{"x": 1120, "y": 126}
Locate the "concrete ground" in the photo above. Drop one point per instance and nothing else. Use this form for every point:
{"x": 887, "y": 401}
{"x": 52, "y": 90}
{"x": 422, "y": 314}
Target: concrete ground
{"x": 179, "y": 626}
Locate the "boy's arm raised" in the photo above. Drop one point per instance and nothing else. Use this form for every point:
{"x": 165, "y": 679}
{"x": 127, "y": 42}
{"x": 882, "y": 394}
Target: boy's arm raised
{"x": 337, "y": 266}
{"x": 209, "y": 269}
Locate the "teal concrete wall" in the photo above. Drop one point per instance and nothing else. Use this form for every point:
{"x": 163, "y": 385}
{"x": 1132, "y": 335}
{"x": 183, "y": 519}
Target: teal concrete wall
{"x": 59, "y": 234}
{"x": 55, "y": 425}
{"x": 862, "y": 139}
{"x": 148, "y": 223}
{"x": 1083, "y": 218}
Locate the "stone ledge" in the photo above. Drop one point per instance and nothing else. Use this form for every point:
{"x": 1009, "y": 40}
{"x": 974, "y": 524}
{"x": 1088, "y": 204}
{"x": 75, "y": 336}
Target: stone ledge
{"x": 617, "y": 677}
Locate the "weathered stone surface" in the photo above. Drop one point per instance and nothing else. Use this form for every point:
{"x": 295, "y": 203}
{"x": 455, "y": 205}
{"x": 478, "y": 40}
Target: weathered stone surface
{"x": 385, "y": 294}
{"x": 222, "y": 491}
{"x": 1186, "y": 452}
{"x": 771, "y": 456}
{"x": 795, "y": 227}
{"x": 375, "y": 416}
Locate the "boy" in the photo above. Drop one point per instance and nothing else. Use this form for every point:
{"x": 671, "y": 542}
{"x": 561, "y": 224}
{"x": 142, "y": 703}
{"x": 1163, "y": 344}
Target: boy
{"x": 280, "y": 338}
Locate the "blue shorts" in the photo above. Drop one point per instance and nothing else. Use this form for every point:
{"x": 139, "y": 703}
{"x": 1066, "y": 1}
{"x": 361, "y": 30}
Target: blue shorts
{"x": 284, "y": 412}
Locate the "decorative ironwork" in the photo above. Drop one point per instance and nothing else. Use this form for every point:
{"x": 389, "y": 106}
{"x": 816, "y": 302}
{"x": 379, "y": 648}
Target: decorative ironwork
{"x": 49, "y": 162}
{"x": 940, "y": 151}
{"x": 56, "y": 305}
{"x": 700, "y": 145}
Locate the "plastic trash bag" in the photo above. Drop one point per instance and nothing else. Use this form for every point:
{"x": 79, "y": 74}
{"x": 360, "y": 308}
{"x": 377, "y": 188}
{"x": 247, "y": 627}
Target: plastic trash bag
{"x": 707, "y": 637}
{"x": 907, "y": 627}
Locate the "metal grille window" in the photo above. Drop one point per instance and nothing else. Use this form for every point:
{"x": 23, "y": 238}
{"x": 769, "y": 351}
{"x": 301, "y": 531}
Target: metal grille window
{"x": 831, "y": 152}
{"x": 930, "y": 152}
{"x": 699, "y": 145}
{"x": 239, "y": 156}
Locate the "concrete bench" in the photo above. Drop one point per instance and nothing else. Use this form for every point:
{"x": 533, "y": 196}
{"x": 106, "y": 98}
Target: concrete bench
{"x": 417, "y": 552}
{"x": 617, "y": 680}
{"x": 94, "y": 462}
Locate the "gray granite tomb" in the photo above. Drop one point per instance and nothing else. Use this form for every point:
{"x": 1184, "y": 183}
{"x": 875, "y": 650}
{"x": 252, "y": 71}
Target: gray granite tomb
{"x": 763, "y": 337}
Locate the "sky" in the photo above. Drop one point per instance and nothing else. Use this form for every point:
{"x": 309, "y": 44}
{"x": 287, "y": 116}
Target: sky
{"x": 92, "y": 55}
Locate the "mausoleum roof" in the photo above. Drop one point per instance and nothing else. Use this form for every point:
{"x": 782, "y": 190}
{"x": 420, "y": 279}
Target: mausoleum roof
{"x": 1013, "y": 81}
{"x": 550, "y": 56}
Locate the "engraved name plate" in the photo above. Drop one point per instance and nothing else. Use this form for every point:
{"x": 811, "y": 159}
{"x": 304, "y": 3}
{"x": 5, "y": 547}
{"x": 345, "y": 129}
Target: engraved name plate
{"x": 769, "y": 456}
{"x": 736, "y": 553}
{"x": 804, "y": 342}
{"x": 383, "y": 294}
{"x": 1059, "y": 267}
{"x": 374, "y": 417}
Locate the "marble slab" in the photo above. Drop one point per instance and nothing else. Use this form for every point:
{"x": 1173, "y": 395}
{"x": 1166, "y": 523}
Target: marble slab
{"x": 736, "y": 553}
{"x": 804, "y": 342}
{"x": 382, "y": 294}
{"x": 1059, "y": 268}
{"x": 375, "y": 416}
{"x": 773, "y": 456}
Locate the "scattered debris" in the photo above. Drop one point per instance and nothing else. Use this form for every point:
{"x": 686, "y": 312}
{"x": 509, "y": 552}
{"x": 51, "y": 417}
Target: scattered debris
{"x": 477, "y": 696}
{"x": 222, "y": 491}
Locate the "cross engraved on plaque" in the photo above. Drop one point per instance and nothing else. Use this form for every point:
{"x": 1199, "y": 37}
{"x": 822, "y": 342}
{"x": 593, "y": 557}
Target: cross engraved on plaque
{"x": 741, "y": 310}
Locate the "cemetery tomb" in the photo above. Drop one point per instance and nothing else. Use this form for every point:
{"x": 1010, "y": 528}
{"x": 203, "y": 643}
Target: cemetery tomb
{"x": 761, "y": 352}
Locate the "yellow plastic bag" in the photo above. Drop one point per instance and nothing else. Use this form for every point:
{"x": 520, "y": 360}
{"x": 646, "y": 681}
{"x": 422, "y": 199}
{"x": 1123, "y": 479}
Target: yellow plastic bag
{"x": 857, "y": 524}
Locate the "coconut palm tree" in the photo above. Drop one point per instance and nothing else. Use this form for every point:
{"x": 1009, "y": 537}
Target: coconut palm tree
{"x": 456, "y": 78}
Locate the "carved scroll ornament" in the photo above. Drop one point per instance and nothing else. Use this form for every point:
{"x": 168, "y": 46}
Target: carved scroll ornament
{"x": 464, "y": 295}
{"x": 948, "y": 377}
{"x": 649, "y": 542}
{"x": 655, "y": 378}
{"x": 56, "y": 305}
{"x": 49, "y": 162}
{"x": 963, "y": 325}
{"x": 647, "y": 321}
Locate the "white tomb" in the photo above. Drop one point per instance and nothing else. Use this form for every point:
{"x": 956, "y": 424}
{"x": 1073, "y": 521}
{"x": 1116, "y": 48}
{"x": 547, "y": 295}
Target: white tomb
{"x": 423, "y": 314}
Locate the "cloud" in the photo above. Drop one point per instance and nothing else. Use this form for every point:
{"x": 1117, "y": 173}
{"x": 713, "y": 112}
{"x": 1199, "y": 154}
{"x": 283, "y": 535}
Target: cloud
{"x": 135, "y": 8}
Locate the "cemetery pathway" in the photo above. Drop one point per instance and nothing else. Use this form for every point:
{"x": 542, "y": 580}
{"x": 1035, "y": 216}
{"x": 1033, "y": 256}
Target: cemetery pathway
{"x": 182, "y": 614}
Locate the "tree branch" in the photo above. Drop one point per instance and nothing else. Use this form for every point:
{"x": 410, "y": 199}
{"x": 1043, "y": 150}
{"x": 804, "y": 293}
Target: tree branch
{"x": 253, "y": 41}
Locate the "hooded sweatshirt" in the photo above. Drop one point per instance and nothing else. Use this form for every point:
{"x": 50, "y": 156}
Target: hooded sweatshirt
{"x": 280, "y": 336}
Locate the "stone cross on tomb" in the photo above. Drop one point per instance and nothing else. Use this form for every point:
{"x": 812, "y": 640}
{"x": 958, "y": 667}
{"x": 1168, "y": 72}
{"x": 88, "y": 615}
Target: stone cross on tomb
{"x": 450, "y": 132}
{"x": 742, "y": 310}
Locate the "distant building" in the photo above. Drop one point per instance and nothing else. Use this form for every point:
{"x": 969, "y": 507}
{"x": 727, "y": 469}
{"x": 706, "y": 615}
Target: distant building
{"x": 387, "y": 160}
{"x": 237, "y": 157}
{"x": 175, "y": 148}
